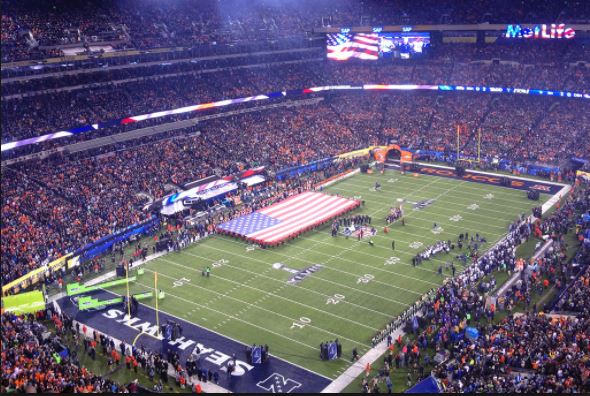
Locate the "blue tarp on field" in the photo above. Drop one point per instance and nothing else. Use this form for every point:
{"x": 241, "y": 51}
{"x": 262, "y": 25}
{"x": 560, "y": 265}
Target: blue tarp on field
{"x": 427, "y": 385}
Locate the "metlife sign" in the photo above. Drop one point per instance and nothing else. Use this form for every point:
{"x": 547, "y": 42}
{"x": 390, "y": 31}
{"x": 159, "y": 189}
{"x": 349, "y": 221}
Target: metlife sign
{"x": 544, "y": 31}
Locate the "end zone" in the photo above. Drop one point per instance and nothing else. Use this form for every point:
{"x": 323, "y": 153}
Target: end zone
{"x": 276, "y": 375}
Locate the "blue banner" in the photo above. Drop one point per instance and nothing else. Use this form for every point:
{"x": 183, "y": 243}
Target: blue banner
{"x": 294, "y": 171}
{"x": 95, "y": 249}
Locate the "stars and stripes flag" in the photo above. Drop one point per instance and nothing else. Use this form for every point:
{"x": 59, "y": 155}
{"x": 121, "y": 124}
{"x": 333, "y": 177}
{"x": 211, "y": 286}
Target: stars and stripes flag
{"x": 288, "y": 218}
{"x": 343, "y": 46}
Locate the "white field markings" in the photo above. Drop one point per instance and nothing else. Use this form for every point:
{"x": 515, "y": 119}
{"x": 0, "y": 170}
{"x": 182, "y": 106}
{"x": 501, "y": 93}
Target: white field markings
{"x": 496, "y": 201}
{"x": 362, "y": 191}
{"x": 439, "y": 207}
{"x": 397, "y": 231}
{"x": 445, "y": 202}
{"x": 462, "y": 205}
{"x": 509, "y": 193}
{"x": 344, "y": 301}
{"x": 510, "y": 198}
{"x": 150, "y": 287}
{"x": 233, "y": 290}
{"x": 438, "y": 215}
{"x": 360, "y": 188}
{"x": 222, "y": 335}
{"x": 273, "y": 293}
{"x": 208, "y": 290}
{"x": 307, "y": 261}
{"x": 406, "y": 253}
{"x": 355, "y": 275}
{"x": 340, "y": 285}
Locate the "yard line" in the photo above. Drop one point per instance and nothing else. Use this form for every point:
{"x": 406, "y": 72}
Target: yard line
{"x": 433, "y": 215}
{"x": 346, "y": 260}
{"x": 250, "y": 304}
{"x": 272, "y": 293}
{"x": 228, "y": 315}
{"x": 320, "y": 279}
{"x": 223, "y": 335}
{"x": 281, "y": 281}
{"x": 294, "y": 245}
{"x": 356, "y": 275}
{"x": 451, "y": 203}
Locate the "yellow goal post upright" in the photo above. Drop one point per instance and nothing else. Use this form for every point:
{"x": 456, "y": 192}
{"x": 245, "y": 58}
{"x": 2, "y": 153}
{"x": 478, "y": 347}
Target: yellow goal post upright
{"x": 461, "y": 128}
{"x": 479, "y": 145}
{"x": 158, "y": 295}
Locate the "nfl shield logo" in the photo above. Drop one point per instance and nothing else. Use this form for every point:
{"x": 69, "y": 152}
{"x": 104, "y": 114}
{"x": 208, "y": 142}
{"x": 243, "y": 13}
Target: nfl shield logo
{"x": 277, "y": 383}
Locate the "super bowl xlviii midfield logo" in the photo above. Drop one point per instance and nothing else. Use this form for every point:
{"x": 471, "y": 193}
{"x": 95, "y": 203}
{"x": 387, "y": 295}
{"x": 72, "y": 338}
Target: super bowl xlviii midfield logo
{"x": 422, "y": 204}
{"x": 298, "y": 275}
{"x": 277, "y": 383}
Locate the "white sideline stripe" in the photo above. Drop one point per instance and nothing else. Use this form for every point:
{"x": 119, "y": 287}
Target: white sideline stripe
{"x": 268, "y": 293}
{"x": 339, "y": 178}
{"x": 250, "y": 304}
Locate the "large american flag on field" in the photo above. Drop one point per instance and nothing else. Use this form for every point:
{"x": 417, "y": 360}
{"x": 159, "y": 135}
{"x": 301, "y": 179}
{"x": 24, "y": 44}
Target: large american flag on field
{"x": 288, "y": 218}
{"x": 343, "y": 46}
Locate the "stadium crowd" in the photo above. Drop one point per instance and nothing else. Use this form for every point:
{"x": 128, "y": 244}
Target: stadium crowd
{"x": 414, "y": 114}
{"x": 31, "y": 362}
{"x": 141, "y": 25}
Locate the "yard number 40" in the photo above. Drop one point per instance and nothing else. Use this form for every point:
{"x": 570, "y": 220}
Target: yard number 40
{"x": 301, "y": 323}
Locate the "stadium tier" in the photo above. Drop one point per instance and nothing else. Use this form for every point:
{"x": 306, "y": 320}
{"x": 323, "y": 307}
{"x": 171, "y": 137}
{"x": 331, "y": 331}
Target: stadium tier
{"x": 287, "y": 219}
{"x": 311, "y": 196}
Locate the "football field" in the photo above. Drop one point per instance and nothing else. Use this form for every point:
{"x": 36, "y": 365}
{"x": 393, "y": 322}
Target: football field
{"x": 354, "y": 288}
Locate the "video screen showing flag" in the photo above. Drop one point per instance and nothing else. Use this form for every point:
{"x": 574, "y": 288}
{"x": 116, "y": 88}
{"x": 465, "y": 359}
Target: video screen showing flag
{"x": 374, "y": 46}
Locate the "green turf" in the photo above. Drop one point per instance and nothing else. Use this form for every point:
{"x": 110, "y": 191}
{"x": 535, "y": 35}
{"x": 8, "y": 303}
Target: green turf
{"x": 248, "y": 300}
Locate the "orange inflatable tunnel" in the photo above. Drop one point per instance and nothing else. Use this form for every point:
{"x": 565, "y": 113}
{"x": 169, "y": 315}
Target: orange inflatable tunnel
{"x": 382, "y": 153}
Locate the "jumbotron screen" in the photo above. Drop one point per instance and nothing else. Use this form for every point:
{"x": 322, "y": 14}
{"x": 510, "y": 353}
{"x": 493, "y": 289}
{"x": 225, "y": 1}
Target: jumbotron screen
{"x": 374, "y": 46}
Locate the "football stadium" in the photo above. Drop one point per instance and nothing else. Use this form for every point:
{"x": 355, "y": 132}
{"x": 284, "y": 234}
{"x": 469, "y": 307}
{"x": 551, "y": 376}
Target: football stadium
{"x": 280, "y": 196}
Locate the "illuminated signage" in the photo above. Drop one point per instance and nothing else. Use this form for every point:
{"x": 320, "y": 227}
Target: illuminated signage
{"x": 377, "y": 29}
{"x": 553, "y": 31}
